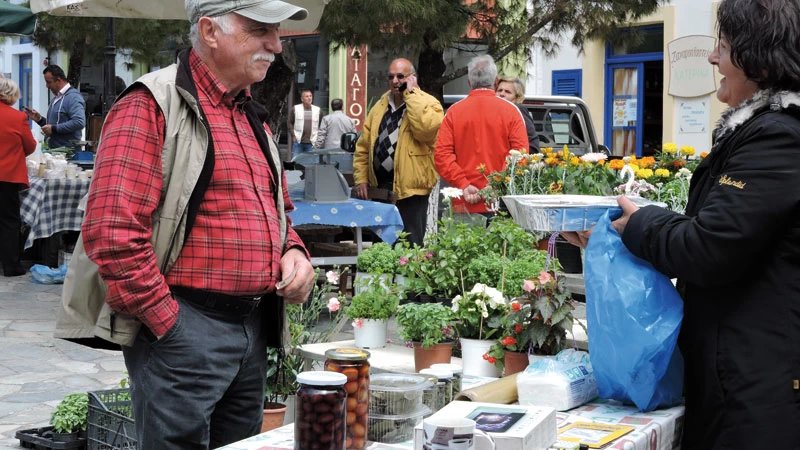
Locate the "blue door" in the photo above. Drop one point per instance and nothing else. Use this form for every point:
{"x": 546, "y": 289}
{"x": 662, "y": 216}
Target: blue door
{"x": 623, "y": 109}
{"x": 25, "y": 81}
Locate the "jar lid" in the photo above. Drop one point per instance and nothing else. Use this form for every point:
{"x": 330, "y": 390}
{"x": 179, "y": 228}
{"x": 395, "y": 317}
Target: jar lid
{"x": 455, "y": 368}
{"x": 398, "y": 382}
{"x": 321, "y": 378}
{"x": 438, "y": 373}
{"x": 347, "y": 354}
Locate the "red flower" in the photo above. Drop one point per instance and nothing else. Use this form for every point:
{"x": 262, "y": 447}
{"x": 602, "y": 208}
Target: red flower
{"x": 492, "y": 360}
{"x": 516, "y": 306}
{"x": 518, "y": 328}
{"x": 486, "y": 356}
{"x": 508, "y": 340}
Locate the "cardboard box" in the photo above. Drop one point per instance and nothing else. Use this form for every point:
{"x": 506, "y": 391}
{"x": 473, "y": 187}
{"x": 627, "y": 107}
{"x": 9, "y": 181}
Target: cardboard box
{"x": 525, "y": 427}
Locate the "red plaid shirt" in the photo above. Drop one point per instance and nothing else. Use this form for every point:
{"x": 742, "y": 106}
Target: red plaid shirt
{"x": 234, "y": 246}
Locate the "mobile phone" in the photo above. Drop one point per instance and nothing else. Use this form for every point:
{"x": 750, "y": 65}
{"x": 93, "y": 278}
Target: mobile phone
{"x": 403, "y": 87}
{"x": 283, "y": 283}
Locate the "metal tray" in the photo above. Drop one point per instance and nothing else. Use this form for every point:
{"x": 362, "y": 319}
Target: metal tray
{"x": 563, "y": 212}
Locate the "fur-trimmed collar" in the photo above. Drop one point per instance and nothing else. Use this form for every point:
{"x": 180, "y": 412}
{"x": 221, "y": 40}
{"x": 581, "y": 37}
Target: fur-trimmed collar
{"x": 733, "y": 117}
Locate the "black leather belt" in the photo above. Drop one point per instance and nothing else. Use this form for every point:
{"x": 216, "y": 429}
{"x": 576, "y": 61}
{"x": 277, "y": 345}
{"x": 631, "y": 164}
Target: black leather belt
{"x": 233, "y": 304}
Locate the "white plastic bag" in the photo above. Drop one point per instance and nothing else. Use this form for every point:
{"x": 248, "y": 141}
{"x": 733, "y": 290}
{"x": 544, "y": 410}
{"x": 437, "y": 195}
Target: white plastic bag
{"x": 562, "y": 382}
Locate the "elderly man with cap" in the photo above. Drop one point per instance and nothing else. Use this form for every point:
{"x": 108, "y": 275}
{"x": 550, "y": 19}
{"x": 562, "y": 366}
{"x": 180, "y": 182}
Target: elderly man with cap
{"x": 186, "y": 221}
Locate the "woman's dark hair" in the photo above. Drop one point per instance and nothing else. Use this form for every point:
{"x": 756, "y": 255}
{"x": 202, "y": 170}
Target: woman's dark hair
{"x": 764, "y": 37}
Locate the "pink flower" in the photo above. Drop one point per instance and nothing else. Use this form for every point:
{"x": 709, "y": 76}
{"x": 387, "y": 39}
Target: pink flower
{"x": 429, "y": 255}
{"x": 333, "y": 304}
{"x": 358, "y": 323}
{"x": 528, "y": 286}
{"x": 544, "y": 277}
{"x": 403, "y": 261}
{"x": 333, "y": 277}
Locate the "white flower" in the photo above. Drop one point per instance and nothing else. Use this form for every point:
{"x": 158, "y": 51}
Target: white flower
{"x": 456, "y": 299}
{"x": 537, "y": 157}
{"x": 496, "y": 297}
{"x": 513, "y": 152}
{"x": 333, "y": 277}
{"x": 594, "y": 157}
{"x": 684, "y": 173}
{"x": 451, "y": 192}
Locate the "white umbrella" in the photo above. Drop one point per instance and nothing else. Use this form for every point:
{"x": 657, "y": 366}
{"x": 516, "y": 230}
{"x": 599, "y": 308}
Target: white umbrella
{"x": 158, "y": 9}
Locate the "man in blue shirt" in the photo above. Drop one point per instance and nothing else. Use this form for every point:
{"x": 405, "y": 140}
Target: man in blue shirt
{"x": 66, "y": 114}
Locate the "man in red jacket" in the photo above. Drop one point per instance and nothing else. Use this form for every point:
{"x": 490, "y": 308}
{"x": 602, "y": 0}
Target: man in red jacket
{"x": 479, "y": 130}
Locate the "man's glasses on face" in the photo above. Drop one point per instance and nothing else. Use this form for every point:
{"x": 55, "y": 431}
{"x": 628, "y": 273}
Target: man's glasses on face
{"x": 399, "y": 76}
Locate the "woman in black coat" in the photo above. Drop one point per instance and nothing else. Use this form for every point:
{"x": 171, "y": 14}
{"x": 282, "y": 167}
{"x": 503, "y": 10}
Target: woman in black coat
{"x": 736, "y": 250}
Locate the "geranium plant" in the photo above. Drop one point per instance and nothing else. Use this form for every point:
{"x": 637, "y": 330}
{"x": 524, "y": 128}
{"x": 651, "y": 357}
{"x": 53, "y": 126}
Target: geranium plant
{"x": 426, "y": 323}
{"x": 377, "y": 299}
{"x": 538, "y": 320}
{"x": 477, "y": 313}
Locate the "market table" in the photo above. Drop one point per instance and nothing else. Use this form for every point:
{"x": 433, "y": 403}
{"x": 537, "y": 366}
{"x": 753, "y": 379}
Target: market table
{"x": 51, "y": 205}
{"x": 382, "y": 218}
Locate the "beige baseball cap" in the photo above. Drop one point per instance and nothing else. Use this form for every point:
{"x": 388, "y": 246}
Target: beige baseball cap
{"x": 264, "y": 11}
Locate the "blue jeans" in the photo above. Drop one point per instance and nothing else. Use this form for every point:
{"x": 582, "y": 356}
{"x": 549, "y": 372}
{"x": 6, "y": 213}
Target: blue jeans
{"x": 201, "y": 385}
{"x": 298, "y": 148}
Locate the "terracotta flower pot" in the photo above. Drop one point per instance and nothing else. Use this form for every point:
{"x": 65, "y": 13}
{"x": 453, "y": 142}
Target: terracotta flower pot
{"x": 435, "y": 354}
{"x": 273, "y": 416}
{"x": 514, "y": 362}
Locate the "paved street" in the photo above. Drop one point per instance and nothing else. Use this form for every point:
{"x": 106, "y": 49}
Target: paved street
{"x": 36, "y": 370}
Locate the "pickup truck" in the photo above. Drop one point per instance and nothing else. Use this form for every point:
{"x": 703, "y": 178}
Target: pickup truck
{"x": 559, "y": 120}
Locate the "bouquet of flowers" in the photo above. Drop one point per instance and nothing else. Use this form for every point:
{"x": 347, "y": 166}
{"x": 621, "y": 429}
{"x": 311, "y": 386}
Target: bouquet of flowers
{"x": 477, "y": 313}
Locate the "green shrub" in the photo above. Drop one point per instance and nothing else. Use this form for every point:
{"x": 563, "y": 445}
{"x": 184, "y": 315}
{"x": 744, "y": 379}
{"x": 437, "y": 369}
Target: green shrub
{"x": 70, "y": 414}
{"x": 426, "y": 323}
{"x": 377, "y": 259}
{"x": 378, "y": 300}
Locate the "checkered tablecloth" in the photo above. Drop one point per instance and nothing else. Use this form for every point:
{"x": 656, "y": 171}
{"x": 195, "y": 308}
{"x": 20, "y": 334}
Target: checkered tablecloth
{"x": 51, "y": 205}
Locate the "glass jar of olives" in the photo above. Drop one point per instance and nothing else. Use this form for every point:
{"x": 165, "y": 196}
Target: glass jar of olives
{"x": 320, "y": 411}
{"x": 354, "y": 364}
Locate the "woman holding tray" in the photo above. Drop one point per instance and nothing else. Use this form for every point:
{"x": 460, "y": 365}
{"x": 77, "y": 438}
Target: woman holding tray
{"x": 736, "y": 251}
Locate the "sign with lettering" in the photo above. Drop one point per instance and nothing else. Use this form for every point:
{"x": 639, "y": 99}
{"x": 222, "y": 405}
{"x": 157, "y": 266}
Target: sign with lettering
{"x": 693, "y": 116}
{"x": 690, "y": 73}
{"x": 356, "y": 78}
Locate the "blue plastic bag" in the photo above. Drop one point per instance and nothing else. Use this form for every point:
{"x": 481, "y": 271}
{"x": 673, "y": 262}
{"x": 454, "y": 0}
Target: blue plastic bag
{"x": 45, "y": 275}
{"x": 633, "y": 315}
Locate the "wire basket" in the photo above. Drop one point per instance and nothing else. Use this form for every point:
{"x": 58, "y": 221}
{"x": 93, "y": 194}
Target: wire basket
{"x": 110, "y": 420}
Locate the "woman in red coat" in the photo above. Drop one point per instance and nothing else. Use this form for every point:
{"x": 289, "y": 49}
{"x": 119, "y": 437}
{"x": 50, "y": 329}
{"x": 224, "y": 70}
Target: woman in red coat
{"x": 16, "y": 142}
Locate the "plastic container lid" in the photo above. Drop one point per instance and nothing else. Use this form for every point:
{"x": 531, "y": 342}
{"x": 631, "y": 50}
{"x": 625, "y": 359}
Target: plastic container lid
{"x": 321, "y": 378}
{"x": 419, "y": 412}
{"x": 438, "y": 373}
{"x": 347, "y": 354}
{"x": 397, "y": 382}
{"x": 455, "y": 368}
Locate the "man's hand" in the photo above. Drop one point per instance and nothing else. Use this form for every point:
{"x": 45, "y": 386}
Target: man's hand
{"x": 32, "y": 114}
{"x": 362, "y": 191}
{"x": 411, "y": 82}
{"x": 577, "y": 238}
{"x": 628, "y": 208}
{"x": 299, "y": 287}
{"x": 47, "y": 129}
{"x": 471, "y": 195}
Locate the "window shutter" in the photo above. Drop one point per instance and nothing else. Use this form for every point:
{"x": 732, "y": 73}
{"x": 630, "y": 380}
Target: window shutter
{"x": 567, "y": 82}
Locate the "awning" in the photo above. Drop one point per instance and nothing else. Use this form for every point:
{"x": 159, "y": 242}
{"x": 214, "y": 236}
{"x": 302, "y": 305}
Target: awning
{"x": 15, "y": 19}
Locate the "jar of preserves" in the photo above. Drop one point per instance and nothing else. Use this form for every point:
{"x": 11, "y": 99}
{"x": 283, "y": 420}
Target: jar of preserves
{"x": 354, "y": 364}
{"x": 457, "y": 375}
{"x": 320, "y": 411}
{"x": 430, "y": 395}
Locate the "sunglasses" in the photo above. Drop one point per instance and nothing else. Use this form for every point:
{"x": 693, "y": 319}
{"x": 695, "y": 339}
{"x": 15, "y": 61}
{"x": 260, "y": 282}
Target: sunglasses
{"x": 399, "y": 76}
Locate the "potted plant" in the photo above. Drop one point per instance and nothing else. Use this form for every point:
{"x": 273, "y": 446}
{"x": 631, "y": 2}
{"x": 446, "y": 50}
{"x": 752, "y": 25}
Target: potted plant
{"x": 537, "y": 323}
{"x": 426, "y": 326}
{"x": 378, "y": 260}
{"x": 477, "y": 316}
{"x": 70, "y": 417}
{"x": 370, "y": 310}
{"x": 304, "y": 328}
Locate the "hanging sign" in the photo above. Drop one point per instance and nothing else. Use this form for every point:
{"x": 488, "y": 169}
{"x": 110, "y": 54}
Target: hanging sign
{"x": 690, "y": 73}
{"x": 356, "y": 77}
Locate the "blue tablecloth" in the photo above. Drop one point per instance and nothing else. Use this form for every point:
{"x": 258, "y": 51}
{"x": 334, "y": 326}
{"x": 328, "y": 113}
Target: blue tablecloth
{"x": 51, "y": 205}
{"x": 382, "y": 218}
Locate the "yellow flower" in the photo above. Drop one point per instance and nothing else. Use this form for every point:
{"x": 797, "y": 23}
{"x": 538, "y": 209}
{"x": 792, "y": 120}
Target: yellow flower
{"x": 550, "y": 161}
{"x": 634, "y": 167}
{"x": 565, "y": 153}
{"x": 647, "y": 161}
{"x": 519, "y": 171}
{"x": 536, "y": 157}
{"x": 669, "y": 147}
{"x": 704, "y": 155}
{"x": 602, "y": 162}
{"x": 687, "y": 150}
{"x": 644, "y": 173}
{"x": 508, "y": 179}
{"x": 574, "y": 161}
{"x": 482, "y": 168}
{"x": 662, "y": 173}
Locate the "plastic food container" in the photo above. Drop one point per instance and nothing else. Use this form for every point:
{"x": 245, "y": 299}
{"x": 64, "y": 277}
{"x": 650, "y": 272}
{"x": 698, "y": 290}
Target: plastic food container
{"x": 392, "y": 429}
{"x": 320, "y": 410}
{"x": 396, "y": 393}
{"x": 444, "y": 384}
{"x": 457, "y": 375}
{"x": 354, "y": 364}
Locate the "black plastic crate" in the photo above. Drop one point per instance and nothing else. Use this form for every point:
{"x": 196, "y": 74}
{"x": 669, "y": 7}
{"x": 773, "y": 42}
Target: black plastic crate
{"x": 42, "y": 439}
{"x": 110, "y": 420}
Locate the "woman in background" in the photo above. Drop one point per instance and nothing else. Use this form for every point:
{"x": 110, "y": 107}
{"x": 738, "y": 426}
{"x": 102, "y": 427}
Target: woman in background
{"x": 513, "y": 90}
{"x": 16, "y": 142}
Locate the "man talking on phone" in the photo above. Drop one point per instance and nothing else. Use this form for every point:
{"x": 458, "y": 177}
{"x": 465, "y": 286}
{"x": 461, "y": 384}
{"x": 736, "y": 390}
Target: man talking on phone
{"x": 395, "y": 150}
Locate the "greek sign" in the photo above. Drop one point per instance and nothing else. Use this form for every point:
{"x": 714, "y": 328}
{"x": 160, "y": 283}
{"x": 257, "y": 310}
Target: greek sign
{"x": 690, "y": 74}
{"x": 356, "y": 77}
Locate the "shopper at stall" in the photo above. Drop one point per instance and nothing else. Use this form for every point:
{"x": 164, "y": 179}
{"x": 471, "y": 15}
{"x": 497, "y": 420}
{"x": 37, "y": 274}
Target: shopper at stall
{"x": 16, "y": 142}
{"x": 736, "y": 251}
{"x": 196, "y": 256}
{"x": 478, "y": 131}
{"x": 66, "y": 114}
{"x": 512, "y": 89}
{"x": 333, "y": 126}
{"x": 395, "y": 150}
